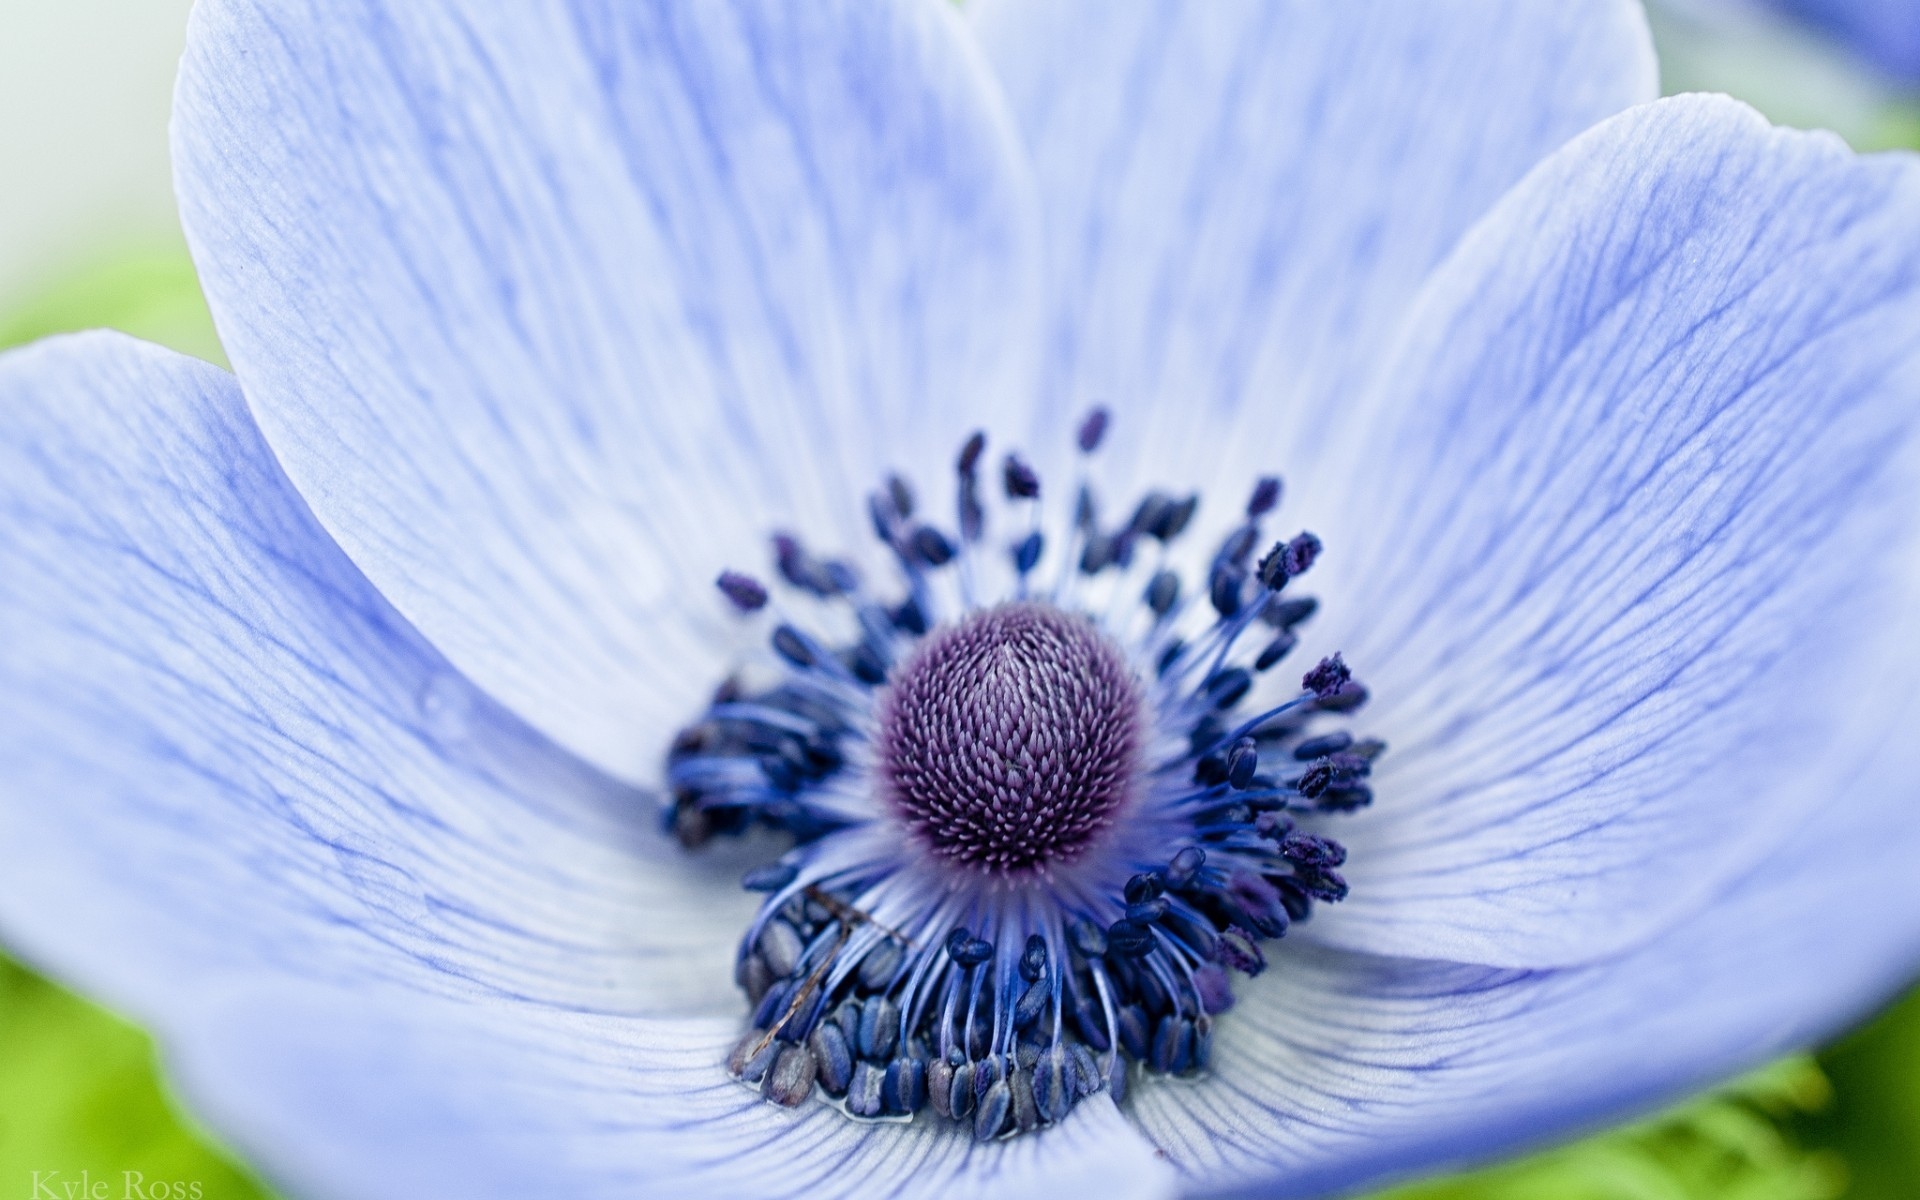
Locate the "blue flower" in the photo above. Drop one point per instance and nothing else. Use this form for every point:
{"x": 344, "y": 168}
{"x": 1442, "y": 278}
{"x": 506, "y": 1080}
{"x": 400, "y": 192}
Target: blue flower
{"x": 335, "y": 691}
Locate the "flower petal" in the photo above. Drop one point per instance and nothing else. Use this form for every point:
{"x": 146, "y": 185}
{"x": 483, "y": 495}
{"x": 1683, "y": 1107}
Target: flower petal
{"x": 1338, "y": 1069}
{"x": 1242, "y": 197}
{"x": 420, "y": 1097}
{"x": 1636, "y": 492}
{"x": 552, "y": 310}
{"x": 222, "y": 752}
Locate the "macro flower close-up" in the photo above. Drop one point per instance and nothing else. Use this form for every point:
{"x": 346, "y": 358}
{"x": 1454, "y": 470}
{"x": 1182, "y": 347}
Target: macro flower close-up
{"x": 878, "y": 597}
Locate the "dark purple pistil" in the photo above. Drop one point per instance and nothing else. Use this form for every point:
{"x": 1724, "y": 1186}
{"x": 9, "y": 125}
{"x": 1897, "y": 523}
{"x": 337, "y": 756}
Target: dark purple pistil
{"x": 1010, "y": 741}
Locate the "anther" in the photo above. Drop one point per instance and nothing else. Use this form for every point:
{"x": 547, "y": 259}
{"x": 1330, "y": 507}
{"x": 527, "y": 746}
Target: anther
{"x": 1265, "y": 498}
{"x": 1027, "y": 554}
{"x": 879, "y": 1028}
{"x": 1239, "y": 545}
{"x": 744, "y": 592}
{"x": 791, "y": 1079}
{"x": 1128, "y": 939}
{"x": 788, "y": 644}
{"x": 1163, "y": 593}
{"x": 1320, "y": 747}
{"x": 1288, "y": 560}
{"x": 864, "y": 1091}
{"x": 752, "y": 1056}
{"x": 1242, "y": 761}
{"x": 1301, "y": 553}
{"x": 1089, "y": 939}
{"x": 1224, "y": 589}
{"x": 992, "y": 1113}
{"x": 901, "y": 493}
{"x": 832, "y": 1056}
{"x": 1185, "y": 866}
{"x": 1226, "y": 688}
{"x": 1032, "y": 1002}
{"x": 799, "y": 568}
{"x": 1311, "y": 850}
{"x": 1275, "y": 650}
{"x": 931, "y": 546}
{"x": 1169, "y": 656}
{"x": 973, "y": 518}
{"x": 1285, "y": 614}
{"x": 1327, "y": 678}
{"x": 970, "y": 451}
{"x": 1161, "y": 517}
{"x": 1092, "y": 429}
{"x": 781, "y": 947}
{"x": 1146, "y": 912}
{"x": 1210, "y": 770}
{"x": 882, "y": 518}
{"x": 1345, "y": 799}
{"x": 880, "y": 965}
{"x": 1153, "y": 509}
{"x": 1144, "y": 886}
{"x": 1346, "y": 697}
{"x": 1033, "y": 962}
{"x": 967, "y": 950}
{"x": 1085, "y": 511}
{"x": 1176, "y": 520}
{"x": 1020, "y": 480}
{"x": 903, "y": 1091}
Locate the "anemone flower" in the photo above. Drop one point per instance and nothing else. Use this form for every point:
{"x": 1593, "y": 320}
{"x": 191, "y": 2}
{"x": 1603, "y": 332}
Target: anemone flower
{"x": 375, "y": 731}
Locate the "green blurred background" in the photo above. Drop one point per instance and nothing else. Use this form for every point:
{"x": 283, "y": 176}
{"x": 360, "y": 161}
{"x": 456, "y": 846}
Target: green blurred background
{"x": 88, "y": 238}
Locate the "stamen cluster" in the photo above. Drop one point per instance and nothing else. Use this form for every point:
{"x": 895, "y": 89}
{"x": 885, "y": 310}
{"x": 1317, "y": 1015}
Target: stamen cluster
{"x": 1033, "y": 831}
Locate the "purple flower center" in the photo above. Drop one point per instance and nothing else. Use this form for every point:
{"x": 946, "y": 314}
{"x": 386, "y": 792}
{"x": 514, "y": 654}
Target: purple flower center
{"x": 1010, "y": 741}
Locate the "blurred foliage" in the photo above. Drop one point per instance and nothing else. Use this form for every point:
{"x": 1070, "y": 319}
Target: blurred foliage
{"x": 148, "y": 290}
{"x": 1737, "y": 1144}
{"x": 1874, "y": 1122}
{"x": 80, "y": 1090}
{"x": 1897, "y": 129}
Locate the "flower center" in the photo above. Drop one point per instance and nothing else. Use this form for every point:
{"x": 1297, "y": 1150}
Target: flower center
{"x": 1043, "y": 796}
{"x": 1011, "y": 741}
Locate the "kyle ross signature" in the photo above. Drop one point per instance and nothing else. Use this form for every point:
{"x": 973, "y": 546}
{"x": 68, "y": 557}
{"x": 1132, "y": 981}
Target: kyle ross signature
{"x": 132, "y": 1185}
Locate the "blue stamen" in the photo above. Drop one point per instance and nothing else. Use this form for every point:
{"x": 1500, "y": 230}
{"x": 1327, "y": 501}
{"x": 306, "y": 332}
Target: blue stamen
{"x": 876, "y": 972}
{"x": 744, "y": 592}
{"x": 1019, "y": 478}
{"x": 1092, "y": 428}
{"x": 1265, "y": 498}
{"x": 1027, "y": 554}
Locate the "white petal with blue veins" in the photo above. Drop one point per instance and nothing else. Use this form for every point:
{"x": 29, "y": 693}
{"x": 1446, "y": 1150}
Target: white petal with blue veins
{"x": 553, "y": 310}
{"x": 1243, "y": 196}
{"x": 1637, "y": 493}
